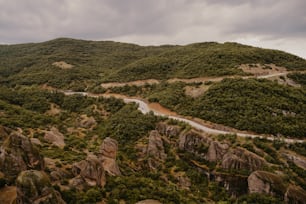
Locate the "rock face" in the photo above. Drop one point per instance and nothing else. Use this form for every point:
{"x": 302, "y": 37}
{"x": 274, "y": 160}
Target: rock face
{"x": 295, "y": 194}
{"x": 18, "y": 154}
{"x": 202, "y": 145}
{"x": 168, "y": 130}
{"x": 55, "y": 137}
{"x": 266, "y": 183}
{"x": 234, "y": 184}
{"x": 242, "y": 159}
{"x": 298, "y": 160}
{"x": 216, "y": 151}
{"x": 108, "y": 153}
{"x": 155, "y": 150}
{"x": 90, "y": 171}
{"x": 34, "y": 187}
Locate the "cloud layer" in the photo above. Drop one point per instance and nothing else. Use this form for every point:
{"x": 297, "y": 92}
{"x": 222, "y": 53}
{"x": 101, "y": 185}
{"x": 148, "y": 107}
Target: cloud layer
{"x": 278, "y": 24}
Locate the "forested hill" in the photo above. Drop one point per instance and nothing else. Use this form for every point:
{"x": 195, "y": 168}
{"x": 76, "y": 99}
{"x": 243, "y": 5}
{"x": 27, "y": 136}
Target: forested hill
{"x": 64, "y": 61}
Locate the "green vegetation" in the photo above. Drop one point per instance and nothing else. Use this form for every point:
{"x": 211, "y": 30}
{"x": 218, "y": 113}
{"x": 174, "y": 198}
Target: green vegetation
{"x": 203, "y": 59}
{"x": 182, "y": 177}
{"x": 299, "y": 78}
{"x": 94, "y": 62}
{"x": 261, "y": 106}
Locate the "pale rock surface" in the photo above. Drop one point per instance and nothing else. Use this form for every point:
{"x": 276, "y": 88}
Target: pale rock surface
{"x": 54, "y": 136}
{"x": 155, "y": 150}
{"x": 108, "y": 154}
{"x": 90, "y": 170}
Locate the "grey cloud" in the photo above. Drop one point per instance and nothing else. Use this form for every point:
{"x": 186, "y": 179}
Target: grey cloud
{"x": 158, "y": 21}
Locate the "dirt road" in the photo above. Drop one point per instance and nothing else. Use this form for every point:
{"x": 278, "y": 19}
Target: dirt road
{"x": 145, "y": 108}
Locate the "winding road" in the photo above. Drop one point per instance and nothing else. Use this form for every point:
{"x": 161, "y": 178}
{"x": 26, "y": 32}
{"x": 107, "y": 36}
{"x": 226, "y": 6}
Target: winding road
{"x": 145, "y": 108}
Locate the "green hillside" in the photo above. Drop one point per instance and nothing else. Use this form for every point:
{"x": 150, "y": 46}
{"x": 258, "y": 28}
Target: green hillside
{"x": 94, "y": 62}
{"x": 60, "y": 146}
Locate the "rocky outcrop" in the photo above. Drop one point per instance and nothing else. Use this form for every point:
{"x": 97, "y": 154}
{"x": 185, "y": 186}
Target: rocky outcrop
{"x": 203, "y": 146}
{"x": 298, "y": 160}
{"x": 216, "y": 151}
{"x": 242, "y": 159}
{"x": 155, "y": 150}
{"x": 107, "y": 155}
{"x": 55, "y": 137}
{"x": 266, "y": 183}
{"x": 235, "y": 185}
{"x": 295, "y": 195}
{"x": 168, "y": 130}
{"x": 90, "y": 171}
{"x": 59, "y": 174}
{"x": 191, "y": 141}
{"x": 34, "y": 187}
{"x": 18, "y": 154}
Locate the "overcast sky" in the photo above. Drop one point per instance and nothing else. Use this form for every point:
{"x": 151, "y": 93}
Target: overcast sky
{"x": 278, "y": 24}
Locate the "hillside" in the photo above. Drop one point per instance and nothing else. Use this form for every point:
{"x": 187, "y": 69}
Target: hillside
{"x": 93, "y": 62}
{"x": 69, "y": 136}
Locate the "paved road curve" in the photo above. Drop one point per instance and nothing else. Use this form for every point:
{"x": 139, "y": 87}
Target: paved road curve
{"x": 144, "y": 108}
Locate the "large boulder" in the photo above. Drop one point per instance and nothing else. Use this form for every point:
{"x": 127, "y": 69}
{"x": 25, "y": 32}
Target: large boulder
{"x": 54, "y": 136}
{"x": 242, "y": 159}
{"x": 266, "y": 183}
{"x": 107, "y": 155}
{"x": 17, "y": 154}
{"x": 34, "y": 187}
{"x": 90, "y": 170}
{"x": 155, "y": 150}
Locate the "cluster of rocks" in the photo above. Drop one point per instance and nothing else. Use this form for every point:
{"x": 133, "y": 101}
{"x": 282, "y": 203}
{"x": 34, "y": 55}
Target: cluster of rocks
{"x": 91, "y": 171}
{"x": 230, "y": 159}
{"x": 21, "y": 161}
{"x": 23, "y": 165}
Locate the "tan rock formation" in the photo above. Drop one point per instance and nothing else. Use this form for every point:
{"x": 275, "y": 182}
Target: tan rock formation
{"x": 18, "y": 154}
{"x": 34, "y": 187}
{"x": 203, "y": 146}
{"x": 108, "y": 153}
{"x": 168, "y": 130}
{"x": 90, "y": 170}
{"x": 266, "y": 183}
{"x": 295, "y": 194}
{"x": 155, "y": 150}
{"x": 242, "y": 159}
{"x": 55, "y": 137}
{"x": 216, "y": 151}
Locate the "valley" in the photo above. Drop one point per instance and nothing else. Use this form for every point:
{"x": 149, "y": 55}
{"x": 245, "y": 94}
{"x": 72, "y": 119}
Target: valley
{"x": 108, "y": 122}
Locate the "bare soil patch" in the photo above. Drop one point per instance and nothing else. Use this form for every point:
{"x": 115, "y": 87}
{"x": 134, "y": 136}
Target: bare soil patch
{"x": 260, "y": 70}
{"x": 62, "y": 65}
